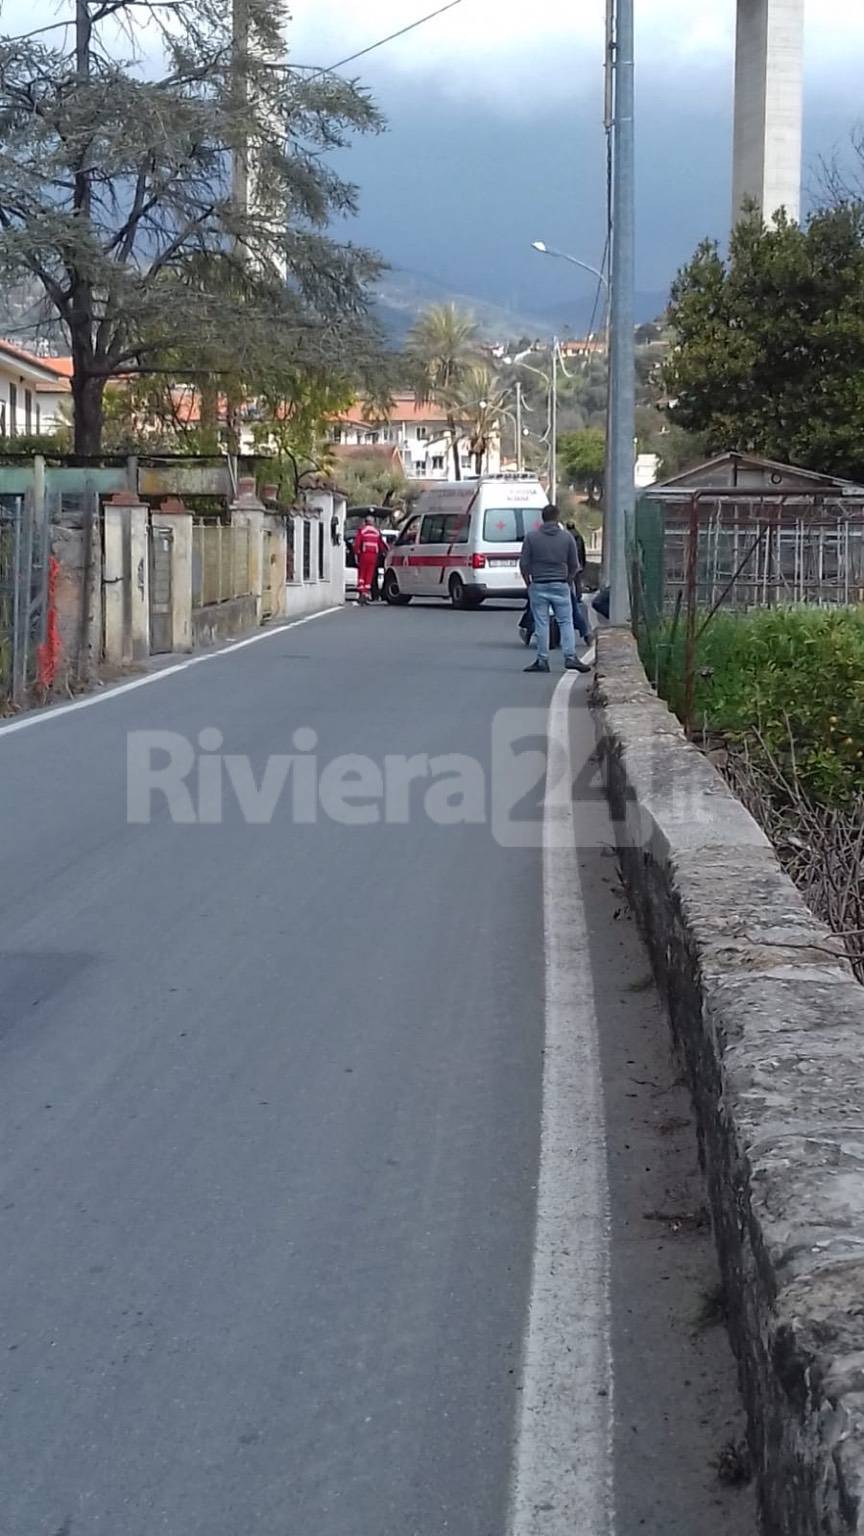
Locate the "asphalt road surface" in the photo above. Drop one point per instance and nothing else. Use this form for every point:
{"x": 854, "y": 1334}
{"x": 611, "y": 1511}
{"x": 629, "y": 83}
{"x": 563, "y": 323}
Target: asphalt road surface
{"x": 271, "y": 1098}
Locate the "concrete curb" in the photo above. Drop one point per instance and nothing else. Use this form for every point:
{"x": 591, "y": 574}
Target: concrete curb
{"x": 770, "y": 1022}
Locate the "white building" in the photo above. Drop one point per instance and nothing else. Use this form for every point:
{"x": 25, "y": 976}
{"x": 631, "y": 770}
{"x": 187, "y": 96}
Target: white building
{"x": 35, "y": 394}
{"x": 647, "y": 468}
{"x": 421, "y": 435}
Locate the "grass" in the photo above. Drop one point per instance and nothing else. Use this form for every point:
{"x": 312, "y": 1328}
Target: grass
{"x": 788, "y": 681}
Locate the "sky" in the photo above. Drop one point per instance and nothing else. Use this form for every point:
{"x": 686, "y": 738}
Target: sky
{"x": 495, "y": 136}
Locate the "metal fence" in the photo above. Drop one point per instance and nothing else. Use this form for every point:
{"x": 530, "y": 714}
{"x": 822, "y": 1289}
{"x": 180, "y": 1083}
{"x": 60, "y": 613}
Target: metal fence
{"x": 728, "y": 550}
{"x": 24, "y": 563}
{"x": 221, "y": 563}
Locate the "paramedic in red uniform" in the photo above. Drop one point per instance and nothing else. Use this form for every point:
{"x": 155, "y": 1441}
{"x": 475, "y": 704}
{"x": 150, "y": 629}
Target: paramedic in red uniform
{"x": 369, "y": 544}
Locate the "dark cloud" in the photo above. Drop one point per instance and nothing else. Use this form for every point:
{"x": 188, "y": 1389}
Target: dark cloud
{"x": 458, "y": 192}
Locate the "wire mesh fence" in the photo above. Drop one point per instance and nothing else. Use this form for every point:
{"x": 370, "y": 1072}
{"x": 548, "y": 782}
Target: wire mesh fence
{"x": 221, "y": 563}
{"x": 749, "y": 551}
{"x": 728, "y": 551}
{"x": 24, "y": 561}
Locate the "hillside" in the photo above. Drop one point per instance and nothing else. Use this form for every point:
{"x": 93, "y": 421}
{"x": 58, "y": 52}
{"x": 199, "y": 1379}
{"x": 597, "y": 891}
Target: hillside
{"x": 403, "y": 295}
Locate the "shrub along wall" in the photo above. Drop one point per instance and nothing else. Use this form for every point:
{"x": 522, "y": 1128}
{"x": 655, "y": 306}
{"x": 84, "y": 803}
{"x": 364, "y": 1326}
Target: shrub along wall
{"x": 790, "y": 678}
{"x": 780, "y": 703}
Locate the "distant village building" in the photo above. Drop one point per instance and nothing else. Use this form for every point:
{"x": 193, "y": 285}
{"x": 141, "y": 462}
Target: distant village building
{"x": 420, "y": 433}
{"x": 583, "y": 346}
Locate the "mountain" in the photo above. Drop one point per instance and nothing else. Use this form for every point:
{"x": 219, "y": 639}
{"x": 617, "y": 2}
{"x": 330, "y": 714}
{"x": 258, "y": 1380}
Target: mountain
{"x": 575, "y": 317}
{"x": 402, "y": 295}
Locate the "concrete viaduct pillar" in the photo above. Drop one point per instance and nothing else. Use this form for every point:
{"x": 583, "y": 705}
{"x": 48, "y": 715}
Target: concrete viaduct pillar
{"x": 769, "y": 80}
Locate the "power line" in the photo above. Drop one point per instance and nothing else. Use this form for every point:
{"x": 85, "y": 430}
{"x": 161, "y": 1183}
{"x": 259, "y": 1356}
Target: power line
{"x": 602, "y": 287}
{"x": 391, "y": 38}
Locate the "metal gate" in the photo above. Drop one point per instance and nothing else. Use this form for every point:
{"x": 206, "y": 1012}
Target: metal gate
{"x": 267, "y": 575}
{"x": 161, "y": 626}
{"x": 24, "y": 560}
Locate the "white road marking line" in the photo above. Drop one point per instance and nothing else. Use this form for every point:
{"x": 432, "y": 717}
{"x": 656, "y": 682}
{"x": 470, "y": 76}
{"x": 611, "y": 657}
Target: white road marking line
{"x": 87, "y": 702}
{"x": 563, "y": 1482}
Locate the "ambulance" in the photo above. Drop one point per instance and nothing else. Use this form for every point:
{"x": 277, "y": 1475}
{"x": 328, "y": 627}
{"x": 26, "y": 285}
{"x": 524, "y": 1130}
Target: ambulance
{"x": 463, "y": 540}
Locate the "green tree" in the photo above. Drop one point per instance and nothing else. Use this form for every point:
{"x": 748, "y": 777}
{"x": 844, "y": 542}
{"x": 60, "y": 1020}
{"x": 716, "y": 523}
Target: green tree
{"x": 582, "y": 456}
{"x": 370, "y": 482}
{"x": 768, "y": 351}
{"x": 442, "y": 348}
{"x": 170, "y": 190}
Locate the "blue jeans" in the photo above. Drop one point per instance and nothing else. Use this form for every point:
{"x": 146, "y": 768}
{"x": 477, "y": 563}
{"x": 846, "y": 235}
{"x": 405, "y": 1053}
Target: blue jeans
{"x": 581, "y": 622}
{"x": 555, "y": 595}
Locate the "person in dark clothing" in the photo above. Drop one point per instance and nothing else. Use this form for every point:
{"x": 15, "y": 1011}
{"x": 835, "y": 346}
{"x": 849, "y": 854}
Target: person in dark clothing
{"x": 549, "y": 562}
{"x": 580, "y": 614}
{"x": 581, "y": 622}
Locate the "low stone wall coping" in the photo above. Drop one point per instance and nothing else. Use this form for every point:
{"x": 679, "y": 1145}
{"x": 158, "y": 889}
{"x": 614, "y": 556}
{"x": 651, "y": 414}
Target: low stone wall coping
{"x": 770, "y": 1021}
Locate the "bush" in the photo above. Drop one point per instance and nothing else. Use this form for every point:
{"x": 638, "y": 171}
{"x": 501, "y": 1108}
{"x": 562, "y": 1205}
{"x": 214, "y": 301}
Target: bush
{"x": 789, "y": 681}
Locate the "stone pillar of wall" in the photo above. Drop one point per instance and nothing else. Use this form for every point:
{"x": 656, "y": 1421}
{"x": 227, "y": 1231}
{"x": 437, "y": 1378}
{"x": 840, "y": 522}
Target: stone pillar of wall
{"x": 277, "y": 524}
{"x": 175, "y": 515}
{"x": 248, "y": 511}
{"x": 337, "y": 551}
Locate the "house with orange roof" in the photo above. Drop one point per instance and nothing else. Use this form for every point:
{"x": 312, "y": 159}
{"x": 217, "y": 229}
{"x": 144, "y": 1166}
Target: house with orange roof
{"x": 419, "y": 432}
{"x": 35, "y": 392}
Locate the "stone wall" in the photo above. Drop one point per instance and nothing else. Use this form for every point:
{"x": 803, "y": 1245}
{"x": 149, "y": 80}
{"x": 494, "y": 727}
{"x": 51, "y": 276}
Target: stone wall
{"x": 76, "y": 543}
{"x": 770, "y": 1024}
{"x": 224, "y": 621}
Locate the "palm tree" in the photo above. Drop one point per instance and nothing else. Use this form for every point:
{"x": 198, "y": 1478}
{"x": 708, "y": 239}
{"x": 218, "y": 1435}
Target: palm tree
{"x": 442, "y": 347}
{"x": 476, "y": 402}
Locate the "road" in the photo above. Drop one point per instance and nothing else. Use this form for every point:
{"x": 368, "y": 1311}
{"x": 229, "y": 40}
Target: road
{"x": 271, "y": 1099}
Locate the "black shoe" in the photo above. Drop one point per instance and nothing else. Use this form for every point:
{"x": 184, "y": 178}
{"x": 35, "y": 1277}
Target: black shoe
{"x": 573, "y": 664}
{"x": 540, "y": 666}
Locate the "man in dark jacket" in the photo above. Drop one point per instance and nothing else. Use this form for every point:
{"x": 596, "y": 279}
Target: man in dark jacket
{"x": 580, "y": 617}
{"x": 549, "y": 564}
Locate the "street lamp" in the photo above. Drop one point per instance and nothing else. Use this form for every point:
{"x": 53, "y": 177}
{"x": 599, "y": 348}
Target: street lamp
{"x": 547, "y": 250}
{"x": 608, "y": 472}
{"x": 552, "y": 418}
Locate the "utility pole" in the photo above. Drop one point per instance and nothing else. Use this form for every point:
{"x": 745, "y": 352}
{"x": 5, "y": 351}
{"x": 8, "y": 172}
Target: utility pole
{"x": 519, "y": 426}
{"x": 553, "y": 426}
{"x": 239, "y": 187}
{"x": 608, "y": 123}
{"x": 620, "y": 496}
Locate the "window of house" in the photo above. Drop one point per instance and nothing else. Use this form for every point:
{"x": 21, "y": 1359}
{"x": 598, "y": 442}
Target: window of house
{"x": 13, "y": 410}
{"x": 419, "y": 466}
{"x": 307, "y": 549}
{"x": 28, "y": 412}
{"x": 437, "y": 461}
{"x": 3, "y": 419}
{"x": 337, "y": 434}
{"x": 421, "y": 432}
{"x": 465, "y": 460}
{"x": 321, "y": 548}
{"x": 38, "y": 418}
